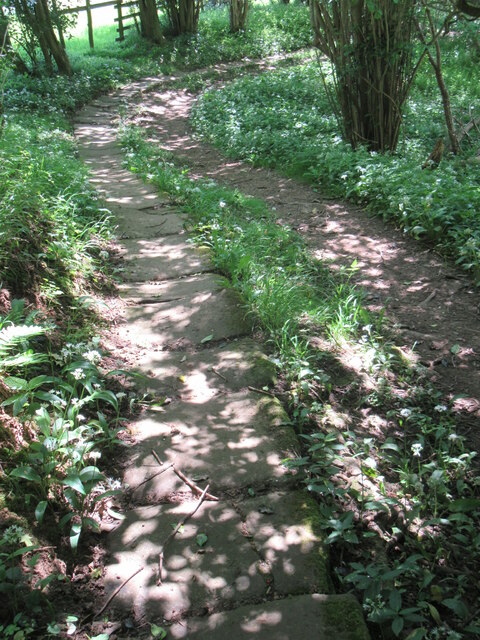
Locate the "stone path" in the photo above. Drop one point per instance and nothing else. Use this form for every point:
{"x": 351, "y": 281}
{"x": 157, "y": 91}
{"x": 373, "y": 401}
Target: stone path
{"x": 252, "y": 564}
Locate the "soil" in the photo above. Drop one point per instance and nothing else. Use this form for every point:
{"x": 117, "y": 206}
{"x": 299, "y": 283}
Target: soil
{"x": 431, "y": 304}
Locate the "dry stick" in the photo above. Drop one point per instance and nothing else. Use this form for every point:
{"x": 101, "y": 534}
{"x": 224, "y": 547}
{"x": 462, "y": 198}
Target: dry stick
{"x": 154, "y": 475}
{"x": 192, "y": 485}
{"x": 217, "y": 373}
{"x": 117, "y": 590}
{"x": 262, "y": 391}
{"x": 176, "y": 530}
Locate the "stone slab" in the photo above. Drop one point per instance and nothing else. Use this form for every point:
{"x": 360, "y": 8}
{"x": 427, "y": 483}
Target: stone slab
{"x": 197, "y": 377}
{"x": 312, "y": 617}
{"x": 189, "y": 313}
{"x": 286, "y": 531}
{"x": 223, "y": 572}
{"x": 148, "y": 226}
{"x": 148, "y": 260}
{"x": 237, "y": 441}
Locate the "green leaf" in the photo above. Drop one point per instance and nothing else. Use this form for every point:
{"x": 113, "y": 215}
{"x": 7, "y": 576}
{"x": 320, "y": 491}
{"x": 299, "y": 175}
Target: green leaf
{"x": 206, "y": 339}
{"x": 91, "y": 474}
{"x": 251, "y": 492}
{"x": 395, "y": 600}
{"x": 75, "y": 532}
{"x": 455, "y": 349}
{"x": 73, "y": 480}
{"x": 202, "y": 539}
{"x": 106, "y": 396}
{"x": 464, "y": 505}
{"x": 27, "y": 473}
{"x": 397, "y": 625}
{"x": 157, "y": 632}
{"x": 40, "y": 510}
{"x": 456, "y": 605}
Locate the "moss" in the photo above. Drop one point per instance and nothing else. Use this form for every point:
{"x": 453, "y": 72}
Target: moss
{"x": 344, "y": 615}
{"x": 272, "y": 411}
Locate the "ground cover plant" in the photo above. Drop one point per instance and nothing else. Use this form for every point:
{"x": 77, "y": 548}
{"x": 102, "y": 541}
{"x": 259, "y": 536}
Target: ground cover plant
{"x": 285, "y": 120}
{"x": 395, "y": 479}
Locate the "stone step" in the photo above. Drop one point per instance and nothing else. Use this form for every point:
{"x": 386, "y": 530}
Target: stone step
{"x": 150, "y": 226}
{"x": 148, "y": 260}
{"x": 312, "y": 617}
{"x": 237, "y": 560}
{"x": 184, "y": 312}
{"x": 199, "y": 376}
{"x": 237, "y": 441}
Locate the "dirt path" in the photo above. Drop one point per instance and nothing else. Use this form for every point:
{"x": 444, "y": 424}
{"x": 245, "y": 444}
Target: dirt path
{"x": 432, "y": 305}
{"x": 249, "y": 561}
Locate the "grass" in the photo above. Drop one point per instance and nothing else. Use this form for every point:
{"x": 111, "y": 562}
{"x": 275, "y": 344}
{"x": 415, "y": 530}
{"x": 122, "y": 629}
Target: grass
{"x": 285, "y": 120}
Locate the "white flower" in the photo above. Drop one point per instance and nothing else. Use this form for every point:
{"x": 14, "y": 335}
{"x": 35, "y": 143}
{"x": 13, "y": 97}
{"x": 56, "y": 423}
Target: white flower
{"x": 406, "y": 413}
{"x": 92, "y": 356}
{"x": 222, "y": 204}
{"x": 81, "y": 417}
{"x": 75, "y": 402}
{"x": 95, "y": 455}
{"x": 79, "y": 374}
{"x": 120, "y": 395}
{"x": 417, "y": 448}
{"x": 441, "y": 408}
{"x": 453, "y": 437}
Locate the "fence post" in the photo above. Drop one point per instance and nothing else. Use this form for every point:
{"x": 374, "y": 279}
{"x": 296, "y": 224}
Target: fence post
{"x": 90, "y": 23}
{"x": 121, "y": 35}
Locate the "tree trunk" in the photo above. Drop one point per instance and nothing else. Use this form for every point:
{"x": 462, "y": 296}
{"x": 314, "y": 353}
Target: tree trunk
{"x": 369, "y": 47}
{"x": 183, "y": 15}
{"x": 6, "y": 45}
{"x": 150, "y": 24}
{"x": 238, "y": 15}
{"x": 436, "y": 63}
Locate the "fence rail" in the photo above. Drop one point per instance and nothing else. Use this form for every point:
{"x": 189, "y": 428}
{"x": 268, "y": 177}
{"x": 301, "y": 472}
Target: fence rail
{"x": 121, "y": 17}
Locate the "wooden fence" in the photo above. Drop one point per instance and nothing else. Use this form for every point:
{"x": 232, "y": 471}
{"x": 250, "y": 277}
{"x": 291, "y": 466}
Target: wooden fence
{"x": 121, "y": 16}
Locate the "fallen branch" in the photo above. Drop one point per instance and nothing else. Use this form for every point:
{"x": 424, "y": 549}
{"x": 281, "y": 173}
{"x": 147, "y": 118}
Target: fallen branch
{"x": 154, "y": 475}
{"x": 262, "y": 391}
{"x": 217, "y": 373}
{"x": 175, "y": 531}
{"x": 114, "y": 594}
{"x": 187, "y": 481}
{"x": 193, "y": 486}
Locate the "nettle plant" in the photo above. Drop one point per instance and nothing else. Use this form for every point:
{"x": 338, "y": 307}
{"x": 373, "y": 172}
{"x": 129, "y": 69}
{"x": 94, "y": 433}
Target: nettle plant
{"x": 73, "y": 417}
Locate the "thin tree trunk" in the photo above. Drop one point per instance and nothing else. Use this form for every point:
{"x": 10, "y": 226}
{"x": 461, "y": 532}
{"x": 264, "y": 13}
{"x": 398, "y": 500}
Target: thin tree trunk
{"x": 46, "y": 33}
{"x": 150, "y": 24}
{"x": 6, "y": 45}
{"x": 238, "y": 15}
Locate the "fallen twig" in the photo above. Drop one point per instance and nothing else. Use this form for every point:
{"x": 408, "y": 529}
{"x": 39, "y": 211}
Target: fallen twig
{"x": 117, "y": 590}
{"x": 154, "y": 475}
{"x": 217, "y": 373}
{"x": 176, "y": 530}
{"x": 262, "y": 391}
{"x": 193, "y": 486}
{"x": 428, "y": 298}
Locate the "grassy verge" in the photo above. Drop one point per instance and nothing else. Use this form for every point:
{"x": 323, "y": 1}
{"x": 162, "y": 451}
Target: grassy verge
{"x": 284, "y": 120}
{"x": 396, "y": 487}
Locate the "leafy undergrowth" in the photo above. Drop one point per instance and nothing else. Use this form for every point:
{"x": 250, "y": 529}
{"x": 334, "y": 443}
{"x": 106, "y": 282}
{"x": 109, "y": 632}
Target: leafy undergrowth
{"x": 396, "y": 487}
{"x": 284, "y": 119}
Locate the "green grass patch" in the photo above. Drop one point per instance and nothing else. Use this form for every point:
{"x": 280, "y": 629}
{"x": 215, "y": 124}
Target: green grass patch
{"x": 284, "y": 120}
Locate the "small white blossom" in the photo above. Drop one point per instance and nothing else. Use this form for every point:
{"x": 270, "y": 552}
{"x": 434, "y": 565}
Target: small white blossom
{"x": 81, "y": 417}
{"x": 441, "y": 408}
{"x": 453, "y": 437}
{"x": 79, "y": 374}
{"x": 75, "y": 402}
{"x": 92, "y": 356}
{"x": 95, "y": 455}
{"x": 406, "y": 413}
{"x": 120, "y": 395}
{"x": 417, "y": 449}
{"x": 222, "y": 204}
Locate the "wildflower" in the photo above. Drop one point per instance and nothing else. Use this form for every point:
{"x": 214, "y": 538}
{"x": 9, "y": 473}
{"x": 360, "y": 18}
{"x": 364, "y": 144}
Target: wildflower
{"x": 81, "y": 417}
{"x": 441, "y": 408}
{"x": 79, "y": 374}
{"x": 417, "y": 448}
{"x": 94, "y": 455}
{"x": 92, "y": 356}
{"x": 75, "y": 402}
{"x": 222, "y": 204}
{"x": 406, "y": 413}
{"x": 120, "y": 395}
{"x": 453, "y": 437}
